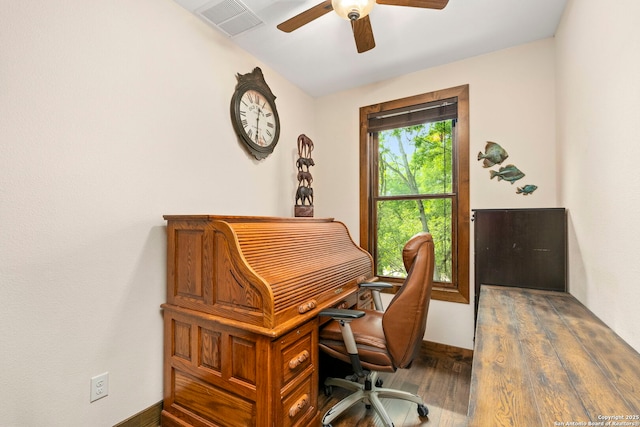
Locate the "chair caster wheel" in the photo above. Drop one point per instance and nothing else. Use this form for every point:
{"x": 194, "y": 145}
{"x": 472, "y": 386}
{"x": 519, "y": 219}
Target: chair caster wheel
{"x": 328, "y": 391}
{"x": 326, "y": 425}
{"x": 423, "y": 411}
{"x": 367, "y": 406}
{"x": 379, "y": 382}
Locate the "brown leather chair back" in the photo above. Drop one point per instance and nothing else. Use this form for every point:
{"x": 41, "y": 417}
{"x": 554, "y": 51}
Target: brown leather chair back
{"x": 405, "y": 319}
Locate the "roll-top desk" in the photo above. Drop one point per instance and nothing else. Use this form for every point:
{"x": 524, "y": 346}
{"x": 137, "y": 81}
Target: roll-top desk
{"x": 240, "y": 321}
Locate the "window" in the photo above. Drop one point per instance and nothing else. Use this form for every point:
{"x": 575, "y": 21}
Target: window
{"x": 414, "y": 176}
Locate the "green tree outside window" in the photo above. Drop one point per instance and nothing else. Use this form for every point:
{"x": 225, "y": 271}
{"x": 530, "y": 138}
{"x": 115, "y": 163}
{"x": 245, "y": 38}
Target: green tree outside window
{"x": 415, "y": 194}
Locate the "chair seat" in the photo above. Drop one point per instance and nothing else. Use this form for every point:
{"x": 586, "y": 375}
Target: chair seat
{"x": 369, "y": 336}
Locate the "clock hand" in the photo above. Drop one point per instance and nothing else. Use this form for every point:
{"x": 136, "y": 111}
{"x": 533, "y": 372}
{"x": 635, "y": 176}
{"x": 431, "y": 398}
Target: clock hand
{"x": 257, "y": 124}
{"x": 258, "y": 127}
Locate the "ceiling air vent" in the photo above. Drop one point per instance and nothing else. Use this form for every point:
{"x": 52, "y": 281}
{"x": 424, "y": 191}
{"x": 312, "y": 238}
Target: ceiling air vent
{"x": 229, "y": 16}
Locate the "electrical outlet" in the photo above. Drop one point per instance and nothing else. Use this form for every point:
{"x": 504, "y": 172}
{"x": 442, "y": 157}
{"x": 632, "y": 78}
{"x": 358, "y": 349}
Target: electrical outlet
{"x": 99, "y": 386}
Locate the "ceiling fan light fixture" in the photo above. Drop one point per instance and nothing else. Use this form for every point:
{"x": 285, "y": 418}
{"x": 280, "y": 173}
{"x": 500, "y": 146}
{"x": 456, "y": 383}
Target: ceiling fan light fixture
{"x": 352, "y": 10}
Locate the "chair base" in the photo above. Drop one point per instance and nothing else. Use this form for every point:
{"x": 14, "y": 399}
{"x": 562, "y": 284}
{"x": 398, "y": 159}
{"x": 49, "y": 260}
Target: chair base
{"x": 370, "y": 394}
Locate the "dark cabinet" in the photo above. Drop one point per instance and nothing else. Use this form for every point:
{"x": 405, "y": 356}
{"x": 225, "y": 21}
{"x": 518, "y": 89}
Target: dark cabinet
{"x": 524, "y": 248}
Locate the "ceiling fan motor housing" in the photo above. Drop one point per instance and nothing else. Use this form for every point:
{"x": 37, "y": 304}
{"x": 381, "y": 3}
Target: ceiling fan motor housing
{"x": 352, "y": 10}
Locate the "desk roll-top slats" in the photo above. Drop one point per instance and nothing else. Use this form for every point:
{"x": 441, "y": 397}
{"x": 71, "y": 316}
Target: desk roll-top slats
{"x": 298, "y": 261}
{"x": 241, "y": 317}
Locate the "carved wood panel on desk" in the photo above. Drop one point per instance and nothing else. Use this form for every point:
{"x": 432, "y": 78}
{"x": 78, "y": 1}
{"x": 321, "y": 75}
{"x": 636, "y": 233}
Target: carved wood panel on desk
{"x": 241, "y": 325}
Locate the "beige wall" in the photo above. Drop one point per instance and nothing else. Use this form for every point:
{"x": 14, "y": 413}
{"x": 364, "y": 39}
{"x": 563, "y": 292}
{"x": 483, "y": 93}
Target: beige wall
{"x": 512, "y": 102}
{"x": 598, "y": 109}
{"x": 113, "y": 113}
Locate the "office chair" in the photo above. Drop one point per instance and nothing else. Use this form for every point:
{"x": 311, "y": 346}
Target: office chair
{"x": 376, "y": 341}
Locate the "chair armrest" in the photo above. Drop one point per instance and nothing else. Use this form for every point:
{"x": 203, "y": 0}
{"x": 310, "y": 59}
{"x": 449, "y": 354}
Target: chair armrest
{"x": 375, "y": 285}
{"x": 341, "y": 313}
{"x": 344, "y": 316}
{"x": 375, "y": 288}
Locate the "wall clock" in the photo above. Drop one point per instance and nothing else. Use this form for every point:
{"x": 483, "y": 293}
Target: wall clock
{"x": 254, "y": 115}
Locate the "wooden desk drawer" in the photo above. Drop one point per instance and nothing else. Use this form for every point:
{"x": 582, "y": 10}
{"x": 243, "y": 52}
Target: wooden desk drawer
{"x": 296, "y": 357}
{"x": 365, "y": 299}
{"x": 300, "y": 405}
{"x": 298, "y": 352}
{"x": 348, "y": 302}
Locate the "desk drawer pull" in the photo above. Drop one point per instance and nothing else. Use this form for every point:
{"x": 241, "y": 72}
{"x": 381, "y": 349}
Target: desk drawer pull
{"x": 307, "y": 306}
{"x": 298, "y": 360}
{"x": 302, "y": 403}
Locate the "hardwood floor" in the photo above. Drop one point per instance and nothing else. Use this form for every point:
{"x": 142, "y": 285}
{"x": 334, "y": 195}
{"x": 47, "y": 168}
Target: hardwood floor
{"x": 440, "y": 375}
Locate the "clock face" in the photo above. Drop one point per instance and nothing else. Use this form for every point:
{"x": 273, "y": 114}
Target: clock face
{"x": 257, "y": 118}
{"x": 254, "y": 115}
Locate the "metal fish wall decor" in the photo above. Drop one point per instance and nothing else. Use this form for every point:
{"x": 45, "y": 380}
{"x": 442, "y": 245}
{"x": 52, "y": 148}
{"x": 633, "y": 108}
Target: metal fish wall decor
{"x": 508, "y": 173}
{"x": 526, "y": 190}
{"x": 494, "y": 154}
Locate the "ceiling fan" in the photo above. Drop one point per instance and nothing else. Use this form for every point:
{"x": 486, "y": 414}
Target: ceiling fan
{"x": 356, "y": 11}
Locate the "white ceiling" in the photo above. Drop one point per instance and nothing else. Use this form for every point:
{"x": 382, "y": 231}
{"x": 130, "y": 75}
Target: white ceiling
{"x": 321, "y": 56}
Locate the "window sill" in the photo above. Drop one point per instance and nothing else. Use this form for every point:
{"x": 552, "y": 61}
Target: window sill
{"x": 437, "y": 293}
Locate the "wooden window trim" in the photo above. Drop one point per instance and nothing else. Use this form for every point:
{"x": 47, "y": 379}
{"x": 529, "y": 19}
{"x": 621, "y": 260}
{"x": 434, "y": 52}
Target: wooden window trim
{"x": 461, "y": 293}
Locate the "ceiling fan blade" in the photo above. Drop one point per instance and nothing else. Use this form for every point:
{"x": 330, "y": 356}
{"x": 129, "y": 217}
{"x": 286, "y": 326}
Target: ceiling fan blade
{"x": 363, "y": 34}
{"x": 305, "y": 17}
{"x": 427, "y": 4}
